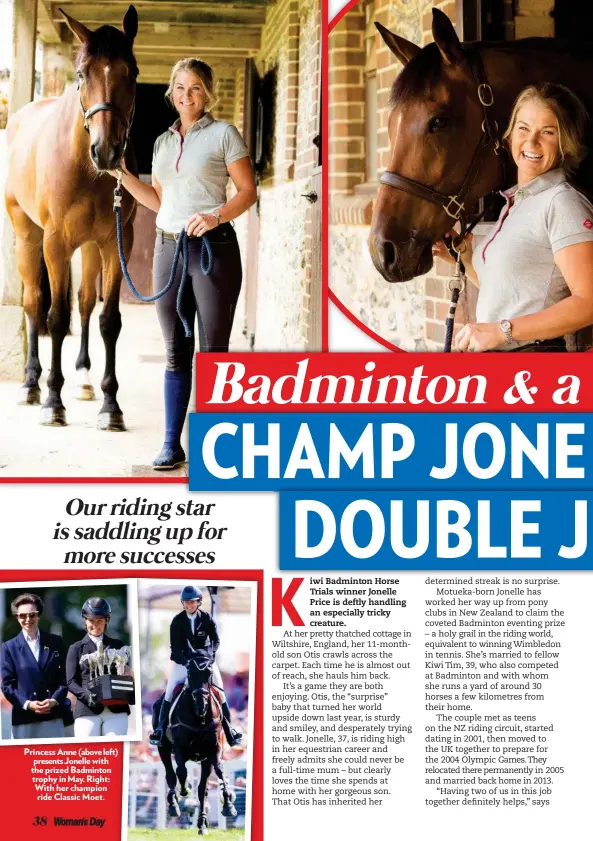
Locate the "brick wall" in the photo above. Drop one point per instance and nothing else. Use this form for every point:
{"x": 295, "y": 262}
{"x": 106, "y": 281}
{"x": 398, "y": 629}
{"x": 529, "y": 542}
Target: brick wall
{"x": 225, "y": 107}
{"x": 346, "y": 103}
{"x": 238, "y": 112}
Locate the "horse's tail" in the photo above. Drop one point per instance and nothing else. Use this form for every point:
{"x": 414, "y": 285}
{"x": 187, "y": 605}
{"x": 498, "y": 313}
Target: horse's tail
{"x": 46, "y": 295}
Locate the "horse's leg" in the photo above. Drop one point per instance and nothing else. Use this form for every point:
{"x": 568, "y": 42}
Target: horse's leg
{"x": 181, "y": 769}
{"x": 28, "y": 245}
{"x": 87, "y": 297}
{"x": 165, "y": 752}
{"x": 110, "y": 416}
{"x": 57, "y": 259}
{"x": 206, "y": 768}
{"x": 228, "y": 796}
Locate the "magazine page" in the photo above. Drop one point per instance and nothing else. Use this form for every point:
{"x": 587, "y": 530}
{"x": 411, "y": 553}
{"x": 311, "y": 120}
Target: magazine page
{"x": 295, "y": 321}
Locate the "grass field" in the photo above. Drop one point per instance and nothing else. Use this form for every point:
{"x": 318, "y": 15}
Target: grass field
{"x": 185, "y": 834}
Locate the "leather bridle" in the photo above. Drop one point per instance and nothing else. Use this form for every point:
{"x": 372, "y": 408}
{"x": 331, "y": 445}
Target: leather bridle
{"x": 454, "y": 204}
{"x": 87, "y": 114}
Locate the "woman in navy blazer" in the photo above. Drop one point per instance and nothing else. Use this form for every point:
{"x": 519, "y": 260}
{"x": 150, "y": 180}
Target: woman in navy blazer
{"x": 91, "y": 718}
{"x": 32, "y": 666}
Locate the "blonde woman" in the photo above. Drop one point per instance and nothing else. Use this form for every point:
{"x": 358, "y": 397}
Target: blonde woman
{"x": 535, "y": 270}
{"x": 191, "y": 165}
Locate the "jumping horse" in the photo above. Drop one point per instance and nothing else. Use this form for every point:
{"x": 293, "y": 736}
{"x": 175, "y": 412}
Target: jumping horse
{"x": 59, "y": 197}
{"x": 195, "y": 734}
{"x": 451, "y": 104}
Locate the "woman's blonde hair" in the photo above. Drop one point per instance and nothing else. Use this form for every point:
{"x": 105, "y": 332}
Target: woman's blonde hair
{"x": 204, "y": 73}
{"x": 571, "y": 116}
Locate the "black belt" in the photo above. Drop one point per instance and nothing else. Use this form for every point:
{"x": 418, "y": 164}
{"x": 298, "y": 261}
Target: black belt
{"x": 544, "y": 346}
{"x": 220, "y": 233}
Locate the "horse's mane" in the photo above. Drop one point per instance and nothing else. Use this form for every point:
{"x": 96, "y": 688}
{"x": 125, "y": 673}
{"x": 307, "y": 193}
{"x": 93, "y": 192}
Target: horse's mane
{"x": 418, "y": 76}
{"x": 107, "y": 42}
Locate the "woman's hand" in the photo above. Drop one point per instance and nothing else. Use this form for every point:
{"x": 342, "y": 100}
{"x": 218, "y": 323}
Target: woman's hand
{"x": 476, "y": 338}
{"x": 115, "y": 173}
{"x": 38, "y": 707}
{"x": 440, "y": 250}
{"x": 199, "y": 223}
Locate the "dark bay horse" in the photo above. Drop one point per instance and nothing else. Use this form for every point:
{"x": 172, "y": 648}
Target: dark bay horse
{"x": 59, "y": 196}
{"x": 195, "y": 734}
{"x": 446, "y": 103}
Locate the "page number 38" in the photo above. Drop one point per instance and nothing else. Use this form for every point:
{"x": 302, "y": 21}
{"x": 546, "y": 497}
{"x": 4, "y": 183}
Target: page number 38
{"x": 40, "y": 821}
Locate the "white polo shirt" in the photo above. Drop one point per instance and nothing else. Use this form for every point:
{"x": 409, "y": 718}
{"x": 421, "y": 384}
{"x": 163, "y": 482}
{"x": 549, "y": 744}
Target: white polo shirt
{"x": 192, "y": 170}
{"x": 515, "y": 263}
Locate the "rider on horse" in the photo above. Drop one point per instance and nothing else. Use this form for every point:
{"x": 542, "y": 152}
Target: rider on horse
{"x": 191, "y": 630}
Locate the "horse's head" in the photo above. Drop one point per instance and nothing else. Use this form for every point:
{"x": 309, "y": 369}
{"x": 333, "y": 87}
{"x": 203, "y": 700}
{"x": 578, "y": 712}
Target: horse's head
{"x": 106, "y": 71}
{"x": 435, "y": 127}
{"x": 199, "y": 673}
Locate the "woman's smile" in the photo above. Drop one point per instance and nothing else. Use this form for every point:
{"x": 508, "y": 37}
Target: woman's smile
{"x": 535, "y": 143}
{"x": 189, "y": 96}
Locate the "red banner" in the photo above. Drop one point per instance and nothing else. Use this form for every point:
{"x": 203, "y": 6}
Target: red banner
{"x": 360, "y": 382}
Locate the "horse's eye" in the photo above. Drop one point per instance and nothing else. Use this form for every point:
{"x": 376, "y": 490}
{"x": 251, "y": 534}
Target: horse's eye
{"x": 437, "y": 124}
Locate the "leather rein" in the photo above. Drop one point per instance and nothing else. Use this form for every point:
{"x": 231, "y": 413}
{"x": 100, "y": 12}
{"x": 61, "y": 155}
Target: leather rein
{"x": 454, "y": 204}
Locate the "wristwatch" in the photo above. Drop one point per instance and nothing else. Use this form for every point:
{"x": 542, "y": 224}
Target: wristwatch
{"x": 216, "y": 215}
{"x": 507, "y": 329}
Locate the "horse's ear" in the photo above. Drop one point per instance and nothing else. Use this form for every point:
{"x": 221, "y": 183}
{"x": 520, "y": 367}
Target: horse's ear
{"x": 446, "y": 38}
{"x": 79, "y": 29}
{"x": 131, "y": 24}
{"x": 402, "y": 49}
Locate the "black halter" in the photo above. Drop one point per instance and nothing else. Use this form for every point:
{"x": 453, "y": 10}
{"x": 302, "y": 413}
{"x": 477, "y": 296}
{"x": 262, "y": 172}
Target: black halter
{"x": 454, "y": 204}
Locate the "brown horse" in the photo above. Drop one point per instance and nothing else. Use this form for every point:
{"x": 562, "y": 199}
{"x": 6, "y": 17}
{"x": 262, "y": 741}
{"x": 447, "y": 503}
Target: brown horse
{"x": 447, "y": 102}
{"x": 59, "y": 197}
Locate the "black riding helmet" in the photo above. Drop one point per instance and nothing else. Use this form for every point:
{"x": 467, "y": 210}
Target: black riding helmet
{"x": 95, "y": 608}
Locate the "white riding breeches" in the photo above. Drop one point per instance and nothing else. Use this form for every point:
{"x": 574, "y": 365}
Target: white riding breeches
{"x": 178, "y": 674}
{"x": 106, "y": 723}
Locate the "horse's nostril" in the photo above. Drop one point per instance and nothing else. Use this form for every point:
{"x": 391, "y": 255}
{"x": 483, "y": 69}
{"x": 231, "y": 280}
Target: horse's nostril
{"x": 389, "y": 254}
{"x": 114, "y": 155}
{"x": 94, "y": 151}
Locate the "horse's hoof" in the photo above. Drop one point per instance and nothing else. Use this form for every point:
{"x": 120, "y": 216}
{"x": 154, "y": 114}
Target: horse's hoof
{"x": 29, "y": 396}
{"x": 111, "y": 422}
{"x": 53, "y": 416}
{"x": 203, "y": 830}
{"x": 174, "y": 811}
{"x": 229, "y": 811}
{"x": 83, "y": 392}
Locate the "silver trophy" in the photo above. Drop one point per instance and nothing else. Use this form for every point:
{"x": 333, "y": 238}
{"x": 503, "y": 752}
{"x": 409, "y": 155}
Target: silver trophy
{"x": 111, "y": 689}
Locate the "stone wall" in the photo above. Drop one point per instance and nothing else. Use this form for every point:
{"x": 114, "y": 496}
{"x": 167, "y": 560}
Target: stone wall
{"x": 282, "y": 264}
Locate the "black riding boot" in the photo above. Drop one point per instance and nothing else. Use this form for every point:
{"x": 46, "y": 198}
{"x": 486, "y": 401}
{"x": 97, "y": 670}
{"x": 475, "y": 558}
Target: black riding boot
{"x": 157, "y": 737}
{"x": 233, "y": 736}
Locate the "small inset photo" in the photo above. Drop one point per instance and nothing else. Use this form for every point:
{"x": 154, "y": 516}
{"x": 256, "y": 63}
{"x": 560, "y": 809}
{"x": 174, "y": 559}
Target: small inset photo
{"x": 68, "y": 660}
{"x": 193, "y": 768}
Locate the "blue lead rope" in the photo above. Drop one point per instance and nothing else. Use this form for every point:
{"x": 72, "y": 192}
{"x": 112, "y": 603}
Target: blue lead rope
{"x": 181, "y": 247}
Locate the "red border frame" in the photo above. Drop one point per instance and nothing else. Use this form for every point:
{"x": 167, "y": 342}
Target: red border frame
{"x": 257, "y": 575}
